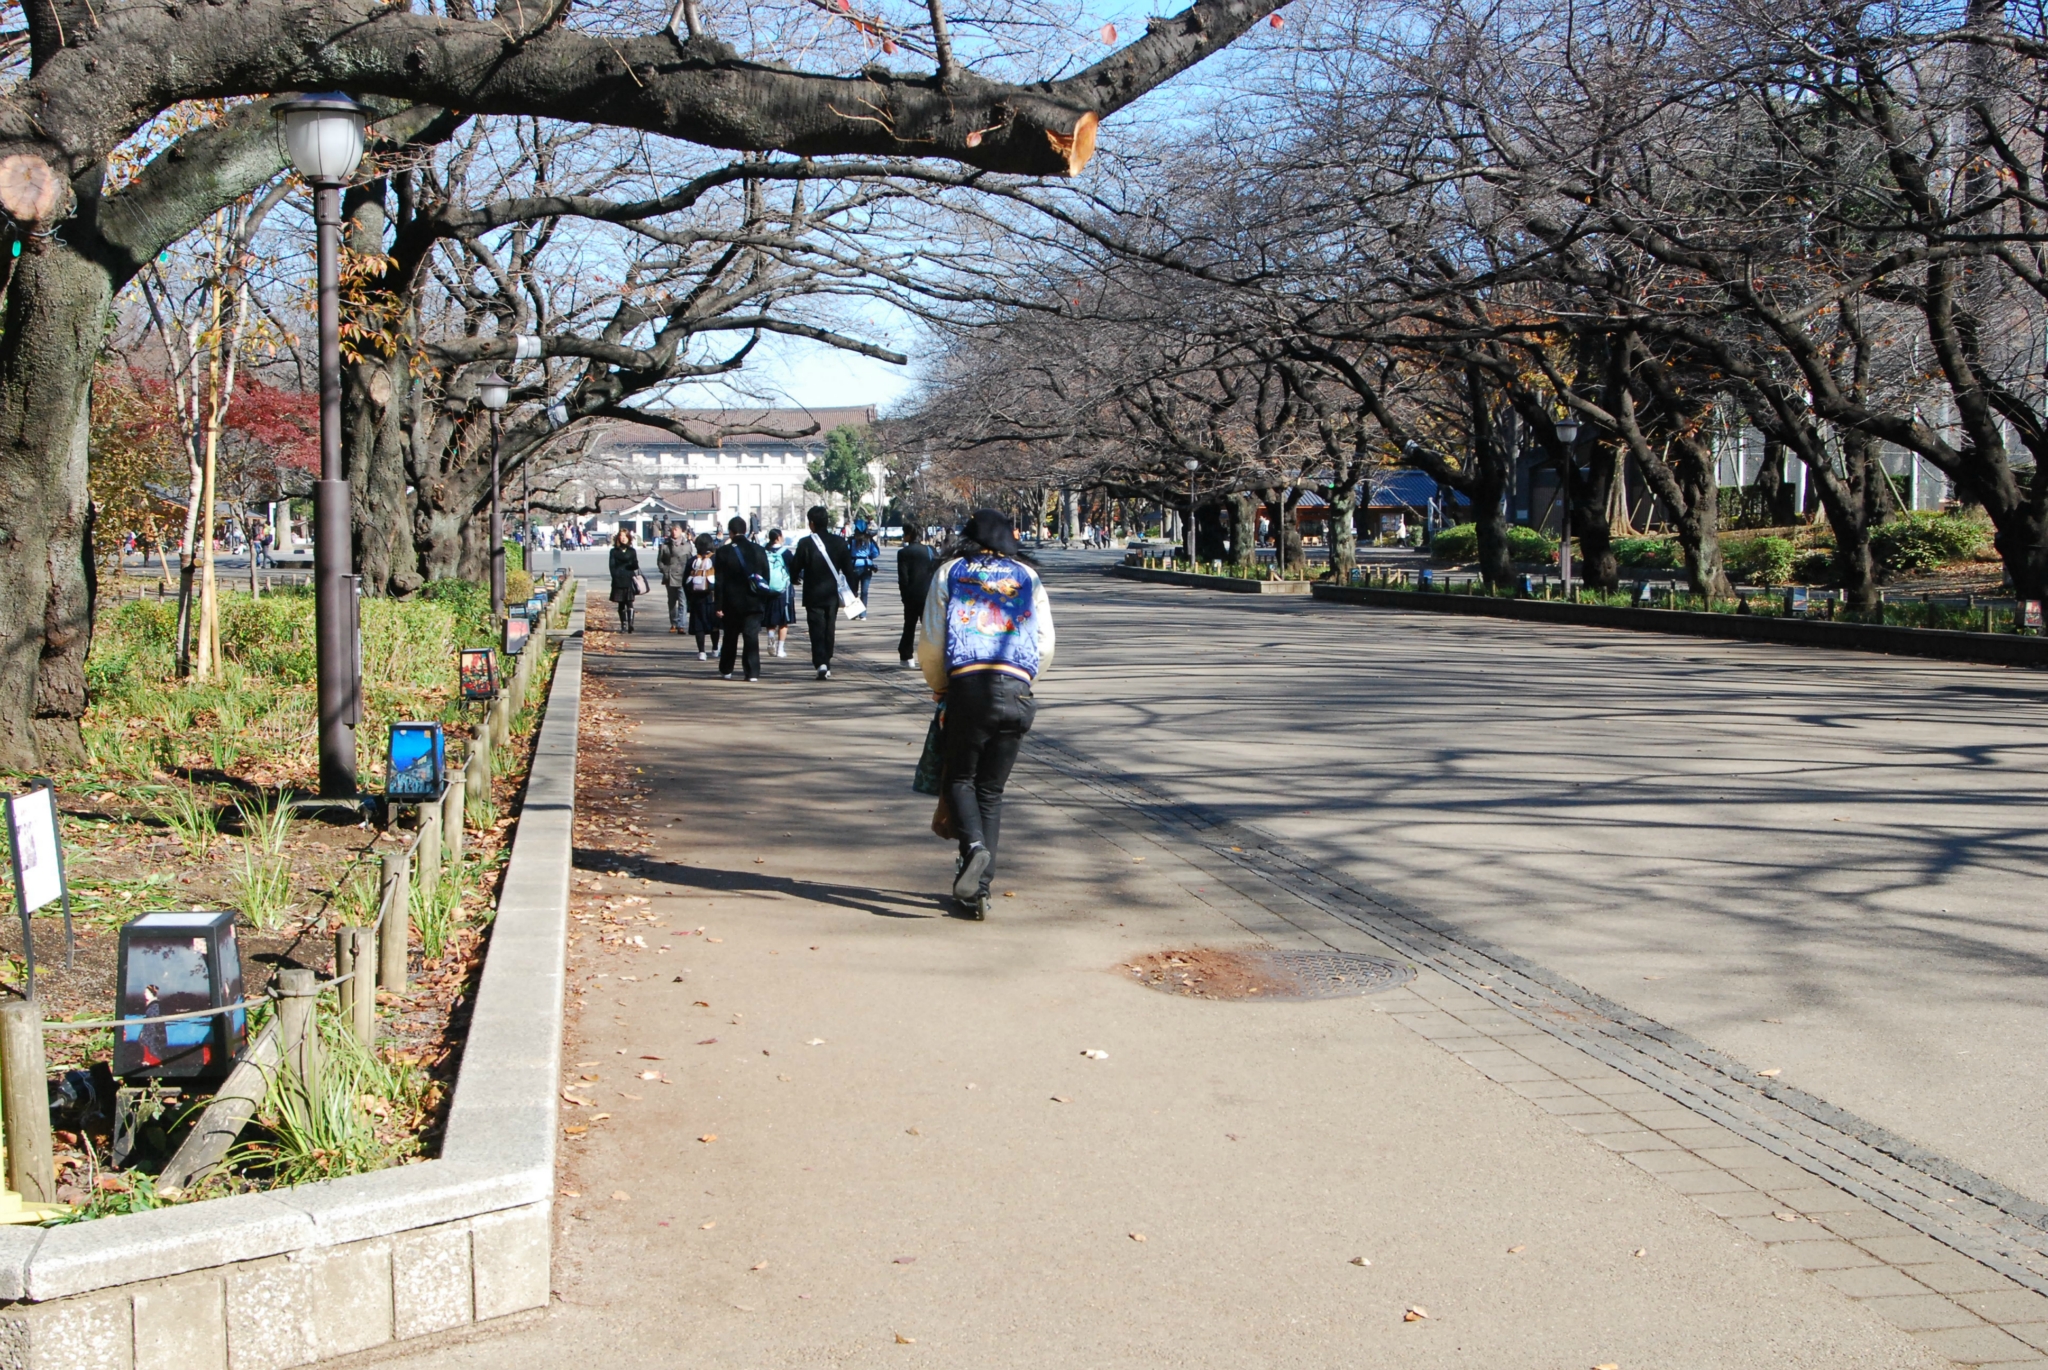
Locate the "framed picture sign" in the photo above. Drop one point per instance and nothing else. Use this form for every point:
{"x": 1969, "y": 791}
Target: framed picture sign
{"x": 417, "y": 766}
{"x": 479, "y": 674}
{"x": 36, "y": 854}
{"x": 516, "y": 630}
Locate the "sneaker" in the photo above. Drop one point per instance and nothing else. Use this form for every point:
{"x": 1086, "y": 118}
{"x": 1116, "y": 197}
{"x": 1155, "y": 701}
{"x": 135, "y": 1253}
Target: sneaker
{"x": 824, "y": 673}
{"x": 703, "y": 656}
{"x": 909, "y": 665}
{"x": 730, "y": 675}
{"x": 967, "y": 884}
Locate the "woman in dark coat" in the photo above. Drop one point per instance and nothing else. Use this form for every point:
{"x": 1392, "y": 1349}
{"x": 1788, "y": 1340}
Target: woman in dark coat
{"x": 625, "y": 564}
{"x": 700, "y": 587}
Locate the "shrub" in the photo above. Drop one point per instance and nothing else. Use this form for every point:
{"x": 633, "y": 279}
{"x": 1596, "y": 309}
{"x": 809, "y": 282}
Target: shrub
{"x": 1460, "y": 542}
{"x": 1761, "y": 561}
{"x": 1648, "y": 554}
{"x": 1914, "y": 543}
{"x": 1814, "y": 568}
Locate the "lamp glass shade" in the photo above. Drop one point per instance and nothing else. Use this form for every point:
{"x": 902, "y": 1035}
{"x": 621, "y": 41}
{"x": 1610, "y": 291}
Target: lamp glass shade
{"x": 178, "y": 963}
{"x": 1192, "y": 465}
{"x": 323, "y": 135}
{"x": 1567, "y": 431}
{"x": 493, "y": 392}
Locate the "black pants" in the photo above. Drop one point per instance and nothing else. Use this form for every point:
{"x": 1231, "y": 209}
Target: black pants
{"x": 822, "y": 620}
{"x": 987, "y": 715}
{"x": 907, "y": 644}
{"x": 736, "y": 629}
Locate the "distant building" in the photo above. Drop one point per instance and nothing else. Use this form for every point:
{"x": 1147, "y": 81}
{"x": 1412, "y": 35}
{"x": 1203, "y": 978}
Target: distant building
{"x": 648, "y": 476}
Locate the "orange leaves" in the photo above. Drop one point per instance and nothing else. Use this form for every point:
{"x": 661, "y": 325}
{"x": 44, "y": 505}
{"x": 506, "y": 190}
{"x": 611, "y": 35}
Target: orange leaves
{"x": 1107, "y": 33}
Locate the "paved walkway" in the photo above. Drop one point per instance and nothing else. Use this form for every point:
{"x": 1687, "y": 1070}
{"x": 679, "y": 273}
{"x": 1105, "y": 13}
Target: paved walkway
{"x": 911, "y": 1189}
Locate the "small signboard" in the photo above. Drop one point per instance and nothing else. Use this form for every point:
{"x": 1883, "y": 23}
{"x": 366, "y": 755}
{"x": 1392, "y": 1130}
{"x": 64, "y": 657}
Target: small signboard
{"x": 1797, "y": 600}
{"x": 37, "y": 856}
{"x": 418, "y": 763}
{"x": 516, "y": 630}
{"x": 1646, "y": 594}
{"x": 2030, "y": 614}
{"x": 171, "y": 964}
{"x": 479, "y": 674}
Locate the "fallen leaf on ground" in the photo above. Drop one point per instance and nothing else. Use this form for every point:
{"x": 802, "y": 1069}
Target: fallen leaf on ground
{"x": 714, "y": 939}
{"x": 1607, "y": 1365}
{"x": 759, "y": 1265}
{"x": 634, "y": 1097}
{"x": 815, "y": 1042}
{"x": 1641, "y": 1251}
{"x": 599, "y": 1117}
{"x": 652, "y": 1075}
{"x": 1061, "y": 1099}
{"x": 699, "y": 1003}
{"x": 706, "y": 1227}
{"x": 1415, "y": 1314}
{"x": 1137, "y": 1236}
{"x": 1771, "y": 1074}
{"x": 783, "y": 1078}
{"x": 708, "y": 1137}
{"x": 912, "y": 1132}
{"x": 760, "y": 860}
{"x": 620, "y": 1195}
{"x": 708, "y": 1042}
{"x": 1360, "y": 1260}
{"x": 1786, "y": 1217}
{"x": 650, "y": 1058}
{"x": 1009, "y": 894}
{"x": 1094, "y": 1055}
{"x": 902, "y": 1340}
{"x": 905, "y": 1260}
{"x": 576, "y": 1131}
{"x": 1517, "y": 1250}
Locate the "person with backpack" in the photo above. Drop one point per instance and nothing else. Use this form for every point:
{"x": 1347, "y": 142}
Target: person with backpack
{"x": 988, "y": 635}
{"x": 915, "y": 563}
{"x": 627, "y": 582}
{"x": 777, "y": 619}
{"x": 700, "y": 581}
{"x": 674, "y": 562}
{"x": 822, "y": 565}
{"x": 867, "y": 555}
{"x": 743, "y": 594}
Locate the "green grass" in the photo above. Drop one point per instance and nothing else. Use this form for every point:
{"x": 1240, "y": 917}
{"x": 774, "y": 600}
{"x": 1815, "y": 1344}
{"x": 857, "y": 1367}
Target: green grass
{"x": 360, "y": 1114}
{"x": 263, "y": 888}
{"x": 196, "y": 822}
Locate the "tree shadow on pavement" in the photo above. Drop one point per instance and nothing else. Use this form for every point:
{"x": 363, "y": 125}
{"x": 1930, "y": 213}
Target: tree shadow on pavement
{"x": 881, "y": 903}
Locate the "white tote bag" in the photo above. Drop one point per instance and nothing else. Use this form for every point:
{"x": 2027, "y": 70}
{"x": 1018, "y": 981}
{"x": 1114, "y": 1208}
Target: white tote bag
{"x": 849, "y": 602}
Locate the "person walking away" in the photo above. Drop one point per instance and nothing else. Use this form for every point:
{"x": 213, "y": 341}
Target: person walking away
{"x": 674, "y": 562}
{"x": 987, "y": 636}
{"x": 915, "y": 563}
{"x": 700, "y": 582}
{"x": 822, "y": 565}
{"x": 743, "y": 594}
{"x": 776, "y": 620}
{"x": 867, "y": 555}
{"x": 627, "y": 582}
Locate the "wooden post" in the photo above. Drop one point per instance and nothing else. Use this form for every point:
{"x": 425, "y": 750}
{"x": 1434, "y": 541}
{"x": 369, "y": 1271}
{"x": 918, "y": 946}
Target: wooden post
{"x": 24, "y": 1078}
{"x": 427, "y": 851}
{"x": 344, "y": 970}
{"x": 207, "y": 1145}
{"x": 395, "y": 934}
{"x": 363, "y": 1007}
{"x": 501, "y": 721}
{"x": 476, "y": 777}
{"x": 298, "y": 1037}
{"x": 451, "y": 823}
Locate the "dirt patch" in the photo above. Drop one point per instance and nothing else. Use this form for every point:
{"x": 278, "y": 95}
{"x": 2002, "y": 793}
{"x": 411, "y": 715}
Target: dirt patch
{"x": 1203, "y": 973}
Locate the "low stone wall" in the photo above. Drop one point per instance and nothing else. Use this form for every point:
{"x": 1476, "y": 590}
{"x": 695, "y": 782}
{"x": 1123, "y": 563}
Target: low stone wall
{"x": 294, "y": 1276}
{"x": 1232, "y": 584}
{"x": 2000, "y": 649}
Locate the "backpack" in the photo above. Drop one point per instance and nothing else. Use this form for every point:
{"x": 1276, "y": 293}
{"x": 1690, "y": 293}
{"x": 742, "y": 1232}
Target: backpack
{"x": 778, "y": 572}
{"x": 866, "y": 552}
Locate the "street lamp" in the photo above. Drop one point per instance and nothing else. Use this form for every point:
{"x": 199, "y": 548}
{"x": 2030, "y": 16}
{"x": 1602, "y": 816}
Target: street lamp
{"x": 493, "y": 392}
{"x": 1192, "y": 466}
{"x": 1567, "y": 430}
{"x": 323, "y": 137}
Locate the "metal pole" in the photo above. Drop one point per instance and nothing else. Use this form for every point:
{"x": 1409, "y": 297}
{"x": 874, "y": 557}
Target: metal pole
{"x": 1564, "y": 546}
{"x": 1191, "y": 520}
{"x": 497, "y": 531}
{"x": 332, "y": 553}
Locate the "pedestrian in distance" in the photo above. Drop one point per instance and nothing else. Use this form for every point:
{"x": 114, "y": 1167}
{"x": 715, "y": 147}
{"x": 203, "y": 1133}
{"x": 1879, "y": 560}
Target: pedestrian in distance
{"x": 700, "y": 583}
{"x": 744, "y": 590}
{"x": 915, "y": 562}
{"x": 987, "y": 635}
{"x": 822, "y": 565}
{"x": 867, "y": 555}
{"x": 777, "y": 619}
{"x": 627, "y": 582}
{"x": 673, "y": 560}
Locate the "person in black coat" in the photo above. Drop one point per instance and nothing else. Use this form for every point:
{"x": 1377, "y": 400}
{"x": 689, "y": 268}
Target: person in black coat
{"x": 915, "y": 563}
{"x": 625, "y": 568}
{"x": 813, "y": 569}
{"x": 740, "y": 604}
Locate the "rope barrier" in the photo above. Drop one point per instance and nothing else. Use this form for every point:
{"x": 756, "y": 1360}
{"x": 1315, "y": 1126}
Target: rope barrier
{"x": 69, "y": 1025}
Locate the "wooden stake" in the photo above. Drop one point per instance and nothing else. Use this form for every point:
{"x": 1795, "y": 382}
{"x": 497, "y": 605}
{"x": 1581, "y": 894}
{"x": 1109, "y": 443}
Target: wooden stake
{"x": 396, "y": 931}
{"x": 24, "y": 1079}
{"x": 363, "y": 1007}
{"x": 298, "y": 1037}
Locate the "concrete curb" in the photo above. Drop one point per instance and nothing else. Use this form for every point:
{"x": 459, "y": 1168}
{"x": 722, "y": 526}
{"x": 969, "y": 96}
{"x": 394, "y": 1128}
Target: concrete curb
{"x": 1229, "y": 584}
{"x": 370, "y": 1258}
{"x": 1996, "y": 649}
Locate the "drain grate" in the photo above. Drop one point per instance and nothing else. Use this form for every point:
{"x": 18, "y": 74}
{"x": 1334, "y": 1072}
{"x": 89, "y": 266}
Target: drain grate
{"x": 1261, "y": 973}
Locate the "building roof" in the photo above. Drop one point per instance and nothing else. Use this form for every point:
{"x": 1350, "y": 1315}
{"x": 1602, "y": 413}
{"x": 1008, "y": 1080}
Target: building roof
{"x": 737, "y": 427}
{"x": 662, "y": 502}
{"x": 1408, "y": 490}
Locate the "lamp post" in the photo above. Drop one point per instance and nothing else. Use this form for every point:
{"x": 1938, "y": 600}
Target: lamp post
{"x": 492, "y": 392}
{"x": 1192, "y": 466}
{"x": 1567, "y": 429}
{"x": 323, "y": 136}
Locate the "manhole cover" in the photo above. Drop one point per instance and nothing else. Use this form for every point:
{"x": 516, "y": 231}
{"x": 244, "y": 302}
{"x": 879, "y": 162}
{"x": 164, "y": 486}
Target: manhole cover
{"x": 1256, "y": 973}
